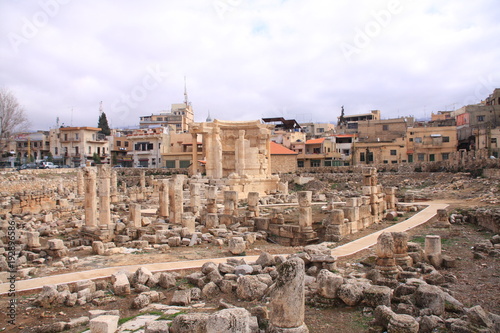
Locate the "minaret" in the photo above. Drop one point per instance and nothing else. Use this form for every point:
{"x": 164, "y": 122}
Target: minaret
{"x": 209, "y": 119}
{"x": 185, "y": 93}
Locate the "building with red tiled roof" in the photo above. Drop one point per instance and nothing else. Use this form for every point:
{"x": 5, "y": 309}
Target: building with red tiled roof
{"x": 283, "y": 160}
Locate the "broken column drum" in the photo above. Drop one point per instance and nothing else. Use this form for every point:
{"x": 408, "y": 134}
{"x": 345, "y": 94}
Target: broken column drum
{"x": 80, "y": 183}
{"x": 135, "y": 215}
{"x": 253, "y": 204}
{"x": 432, "y": 249}
{"x": 195, "y": 202}
{"x": 231, "y": 203}
{"x": 401, "y": 249}
{"x": 211, "y": 199}
{"x": 386, "y": 263}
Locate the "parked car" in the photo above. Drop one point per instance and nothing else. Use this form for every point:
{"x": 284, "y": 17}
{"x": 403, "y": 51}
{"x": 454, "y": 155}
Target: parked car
{"x": 64, "y": 166}
{"x": 118, "y": 166}
{"x": 27, "y": 166}
{"x": 47, "y": 165}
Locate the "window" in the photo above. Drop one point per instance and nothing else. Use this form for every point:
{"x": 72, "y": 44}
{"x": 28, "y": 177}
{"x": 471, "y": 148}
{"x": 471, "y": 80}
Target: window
{"x": 315, "y": 163}
{"x": 393, "y": 152}
{"x": 90, "y": 150}
{"x": 76, "y": 136}
{"x": 480, "y": 118}
{"x": 300, "y": 164}
{"x": 385, "y": 161}
{"x": 493, "y": 140}
{"x": 65, "y": 137}
{"x": 445, "y": 156}
{"x": 446, "y": 139}
{"x": 328, "y": 163}
{"x": 361, "y": 157}
{"x": 77, "y": 151}
{"x": 394, "y": 162}
{"x": 316, "y": 150}
{"x": 352, "y": 126}
{"x": 432, "y": 158}
{"x": 126, "y": 143}
{"x": 418, "y": 140}
{"x": 410, "y": 158}
{"x": 320, "y": 130}
{"x": 118, "y": 143}
{"x": 184, "y": 164}
{"x": 385, "y": 127}
{"x": 55, "y": 151}
{"x": 150, "y": 146}
{"x": 421, "y": 157}
{"x": 411, "y": 140}
{"x": 170, "y": 164}
{"x": 35, "y": 144}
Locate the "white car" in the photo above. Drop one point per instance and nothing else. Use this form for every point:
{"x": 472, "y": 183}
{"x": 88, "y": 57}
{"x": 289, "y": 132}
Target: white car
{"x": 47, "y": 165}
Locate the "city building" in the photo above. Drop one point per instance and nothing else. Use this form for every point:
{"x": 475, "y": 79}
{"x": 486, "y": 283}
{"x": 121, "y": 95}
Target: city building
{"x": 146, "y": 144}
{"x": 283, "y": 160}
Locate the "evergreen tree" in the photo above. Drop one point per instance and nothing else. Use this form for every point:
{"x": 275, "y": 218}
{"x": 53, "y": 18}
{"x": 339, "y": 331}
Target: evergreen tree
{"x": 103, "y": 124}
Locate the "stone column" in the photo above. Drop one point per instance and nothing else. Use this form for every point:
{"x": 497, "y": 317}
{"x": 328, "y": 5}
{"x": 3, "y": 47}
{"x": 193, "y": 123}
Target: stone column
{"x": 253, "y": 204}
{"x": 142, "y": 179}
{"x": 211, "y": 199}
{"x": 195, "y": 202}
{"x": 90, "y": 197}
{"x": 401, "y": 249}
{"x": 283, "y": 187}
{"x": 305, "y": 210}
{"x": 194, "y": 157}
{"x": 386, "y": 263}
{"x": 432, "y": 250}
{"x": 163, "y": 210}
{"x": 114, "y": 186}
{"x": 230, "y": 203}
{"x": 80, "y": 184}
{"x": 188, "y": 221}
{"x": 124, "y": 188}
{"x": 104, "y": 172}
{"x": 135, "y": 215}
{"x": 240, "y": 153}
{"x": 287, "y": 307}
{"x": 217, "y": 154}
{"x": 176, "y": 198}
{"x": 390, "y": 197}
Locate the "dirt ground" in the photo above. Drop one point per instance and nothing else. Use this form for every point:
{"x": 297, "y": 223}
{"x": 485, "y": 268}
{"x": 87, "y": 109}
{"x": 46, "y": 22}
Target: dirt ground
{"x": 477, "y": 279}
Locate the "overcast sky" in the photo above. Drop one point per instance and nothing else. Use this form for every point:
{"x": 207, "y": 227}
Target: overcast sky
{"x": 246, "y": 59}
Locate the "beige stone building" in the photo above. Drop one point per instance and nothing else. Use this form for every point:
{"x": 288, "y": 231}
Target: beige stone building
{"x": 283, "y": 160}
{"x": 120, "y": 147}
{"x": 431, "y": 144}
{"x": 76, "y": 145}
{"x": 379, "y": 152}
{"x": 177, "y": 152}
{"x": 317, "y": 130}
{"x": 34, "y": 146}
{"x": 316, "y": 153}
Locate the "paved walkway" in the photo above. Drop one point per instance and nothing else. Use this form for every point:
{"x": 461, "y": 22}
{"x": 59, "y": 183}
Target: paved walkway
{"x": 341, "y": 251}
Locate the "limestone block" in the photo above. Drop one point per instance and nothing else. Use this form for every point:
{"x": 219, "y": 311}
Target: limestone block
{"x": 402, "y": 323}
{"x": 212, "y": 220}
{"x": 305, "y": 198}
{"x": 98, "y": 248}
{"x": 328, "y": 283}
{"x": 104, "y": 324}
{"x": 237, "y": 245}
{"x": 250, "y": 288}
{"x": 234, "y": 320}
{"x": 121, "y": 284}
{"x": 181, "y": 297}
{"x": 337, "y": 216}
{"x": 157, "y": 326}
{"x": 288, "y": 297}
{"x": 190, "y": 323}
{"x": 55, "y": 244}
{"x": 350, "y": 293}
{"x": 430, "y": 297}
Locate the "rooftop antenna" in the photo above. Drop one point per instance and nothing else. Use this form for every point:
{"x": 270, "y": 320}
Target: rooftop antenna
{"x": 185, "y": 93}
{"x": 71, "y": 122}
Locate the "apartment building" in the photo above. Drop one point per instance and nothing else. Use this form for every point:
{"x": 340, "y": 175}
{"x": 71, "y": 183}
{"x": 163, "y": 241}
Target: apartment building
{"x": 316, "y": 153}
{"x": 31, "y": 147}
{"x": 177, "y": 152}
{"x": 146, "y": 146}
{"x": 317, "y": 130}
{"x": 379, "y": 152}
{"x": 76, "y": 146}
{"x": 121, "y": 147}
{"x": 177, "y": 119}
{"x": 431, "y": 143}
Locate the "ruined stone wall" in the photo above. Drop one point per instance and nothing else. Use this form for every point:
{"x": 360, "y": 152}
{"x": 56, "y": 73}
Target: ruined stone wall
{"x": 492, "y": 173}
{"x": 487, "y": 218}
{"x": 283, "y": 163}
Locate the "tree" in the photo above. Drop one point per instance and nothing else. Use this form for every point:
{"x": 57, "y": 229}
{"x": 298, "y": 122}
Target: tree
{"x": 96, "y": 158}
{"x": 12, "y": 116}
{"x": 103, "y": 124}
